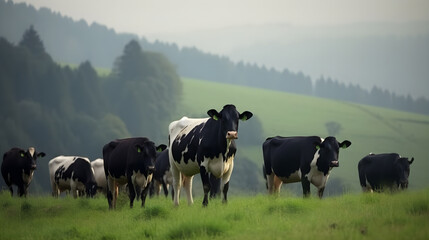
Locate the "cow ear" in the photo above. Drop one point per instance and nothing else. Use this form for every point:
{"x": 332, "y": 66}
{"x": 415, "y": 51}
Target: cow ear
{"x": 245, "y": 115}
{"x": 42, "y": 154}
{"x": 345, "y": 144}
{"x": 161, "y": 147}
{"x": 213, "y": 114}
{"x": 411, "y": 161}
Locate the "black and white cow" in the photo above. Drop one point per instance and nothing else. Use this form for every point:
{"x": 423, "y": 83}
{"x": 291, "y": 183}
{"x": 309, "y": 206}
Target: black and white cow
{"x": 387, "y": 170}
{"x": 18, "y": 168}
{"x": 99, "y": 175}
{"x": 300, "y": 159}
{"x": 162, "y": 175}
{"x": 72, "y": 173}
{"x": 204, "y": 145}
{"x": 129, "y": 161}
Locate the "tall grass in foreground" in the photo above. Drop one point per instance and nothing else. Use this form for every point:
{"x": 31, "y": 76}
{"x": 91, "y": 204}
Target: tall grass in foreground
{"x": 352, "y": 216}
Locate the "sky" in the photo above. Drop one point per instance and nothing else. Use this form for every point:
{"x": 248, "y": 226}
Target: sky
{"x": 147, "y": 17}
{"x": 232, "y": 28}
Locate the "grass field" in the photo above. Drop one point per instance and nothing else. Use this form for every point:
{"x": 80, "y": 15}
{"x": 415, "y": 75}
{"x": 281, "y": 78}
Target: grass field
{"x": 370, "y": 129}
{"x": 352, "y": 216}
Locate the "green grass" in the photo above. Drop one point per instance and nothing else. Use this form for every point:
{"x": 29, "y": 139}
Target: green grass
{"x": 370, "y": 129}
{"x": 352, "y": 216}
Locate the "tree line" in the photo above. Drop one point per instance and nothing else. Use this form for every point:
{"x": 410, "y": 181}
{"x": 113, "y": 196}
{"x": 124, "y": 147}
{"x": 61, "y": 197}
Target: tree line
{"x": 72, "y": 111}
{"x": 71, "y": 42}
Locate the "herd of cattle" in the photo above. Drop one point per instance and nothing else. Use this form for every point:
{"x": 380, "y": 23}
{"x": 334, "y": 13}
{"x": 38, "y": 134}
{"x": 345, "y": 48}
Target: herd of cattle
{"x": 205, "y": 146}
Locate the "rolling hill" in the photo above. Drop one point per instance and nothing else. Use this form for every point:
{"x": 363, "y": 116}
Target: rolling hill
{"x": 370, "y": 129}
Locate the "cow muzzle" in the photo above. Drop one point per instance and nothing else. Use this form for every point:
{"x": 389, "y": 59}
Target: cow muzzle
{"x": 33, "y": 167}
{"x": 231, "y": 135}
{"x": 334, "y": 164}
{"x": 151, "y": 169}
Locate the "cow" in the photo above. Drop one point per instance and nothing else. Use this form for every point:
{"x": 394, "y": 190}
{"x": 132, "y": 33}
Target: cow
{"x": 18, "y": 168}
{"x": 204, "y": 145}
{"x": 300, "y": 159}
{"x": 162, "y": 175}
{"x": 387, "y": 170}
{"x": 99, "y": 175}
{"x": 129, "y": 161}
{"x": 72, "y": 173}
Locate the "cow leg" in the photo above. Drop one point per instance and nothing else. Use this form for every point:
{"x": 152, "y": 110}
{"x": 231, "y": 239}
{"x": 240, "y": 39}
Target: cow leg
{"x": 132, "y": 192}
{"x": 21, "y": 190}
{"x": 187, "y": 184}
{"x": 115, "y": 195}
{"x": 144, "y": 194}
{"x": 177, "y": 183}
{"x": 206, "y": 184}
{"x": 74, "y": 191}
{"x": 270, "y": 183}
{"x": 165, "y": 188}
{"x": 225, "y": 182}
{"x": 111, "y": 188}
{"x": 54, "y": 189}
{"x": 277, "y": 185}
{"x": 320, "y": 192}
{"x": 157, "y": 187}
{"x": 305, "y": 186}
{"x": 225, "y": 192}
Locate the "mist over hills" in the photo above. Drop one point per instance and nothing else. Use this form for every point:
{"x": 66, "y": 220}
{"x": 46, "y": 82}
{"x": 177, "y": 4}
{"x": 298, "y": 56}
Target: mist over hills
{"x": 261, "y": 56}
{"x": 394, "y": 56}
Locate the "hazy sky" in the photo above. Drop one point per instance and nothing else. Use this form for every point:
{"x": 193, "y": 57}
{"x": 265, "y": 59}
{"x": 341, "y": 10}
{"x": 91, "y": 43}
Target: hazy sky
{"x": 146, "y": 17}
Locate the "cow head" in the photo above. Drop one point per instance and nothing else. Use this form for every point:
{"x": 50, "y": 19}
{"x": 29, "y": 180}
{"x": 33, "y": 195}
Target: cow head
{"x": 402, "y": 169}
{"x": 91, "y": 189}
{"x": 30, "y": 156}
{"x": 146, "y": 153}
{"x": 328, "y": 153}
{"x": 228, "y": 119}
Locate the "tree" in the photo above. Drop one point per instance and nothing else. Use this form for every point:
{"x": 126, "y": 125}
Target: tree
{"x": 146, "y": 89}
{"x": 32, "y": 42}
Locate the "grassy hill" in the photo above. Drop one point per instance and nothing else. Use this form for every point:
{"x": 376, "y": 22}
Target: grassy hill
{"x": 370, "y": 129}
{"x": 351, "y": 216}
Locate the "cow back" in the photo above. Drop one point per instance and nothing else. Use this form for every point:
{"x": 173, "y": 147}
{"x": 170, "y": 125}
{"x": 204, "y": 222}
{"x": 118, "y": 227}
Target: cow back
{"x": 285, "y": 155}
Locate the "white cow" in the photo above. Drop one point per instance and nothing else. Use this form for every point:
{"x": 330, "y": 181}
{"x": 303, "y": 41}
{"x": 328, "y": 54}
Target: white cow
{"x": 100, "y": 176}
{"x": 72, "y": 173}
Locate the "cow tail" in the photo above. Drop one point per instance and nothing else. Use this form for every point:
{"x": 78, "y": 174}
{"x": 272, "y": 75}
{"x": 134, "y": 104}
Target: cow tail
{"x": 267, "y": 160}
{"x": 362, "y": 177}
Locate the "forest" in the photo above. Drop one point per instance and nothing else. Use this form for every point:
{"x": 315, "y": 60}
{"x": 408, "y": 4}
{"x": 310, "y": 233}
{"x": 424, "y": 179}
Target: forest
{"x": 72, "y": 41}
{"x": 45, "y": 104}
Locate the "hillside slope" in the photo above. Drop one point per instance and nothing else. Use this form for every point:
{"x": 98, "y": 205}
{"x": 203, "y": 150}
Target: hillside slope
{"x": 370, "y": 129}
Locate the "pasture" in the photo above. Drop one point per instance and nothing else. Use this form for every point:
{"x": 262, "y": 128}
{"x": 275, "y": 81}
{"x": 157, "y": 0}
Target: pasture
{"x": 370, "y": 129}
{"x": 402, "y": 215}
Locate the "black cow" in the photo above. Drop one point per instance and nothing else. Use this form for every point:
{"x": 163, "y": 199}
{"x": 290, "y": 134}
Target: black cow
{"x": 377, "y": 171}
{"x": 72, "y": 173}
{"x": 129, "y": 161}
{"x": 18, "y": 168}
{"x": 204, "y": 145}
{"x": 162, "y": 175}
{"x": 300, "y": 159}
